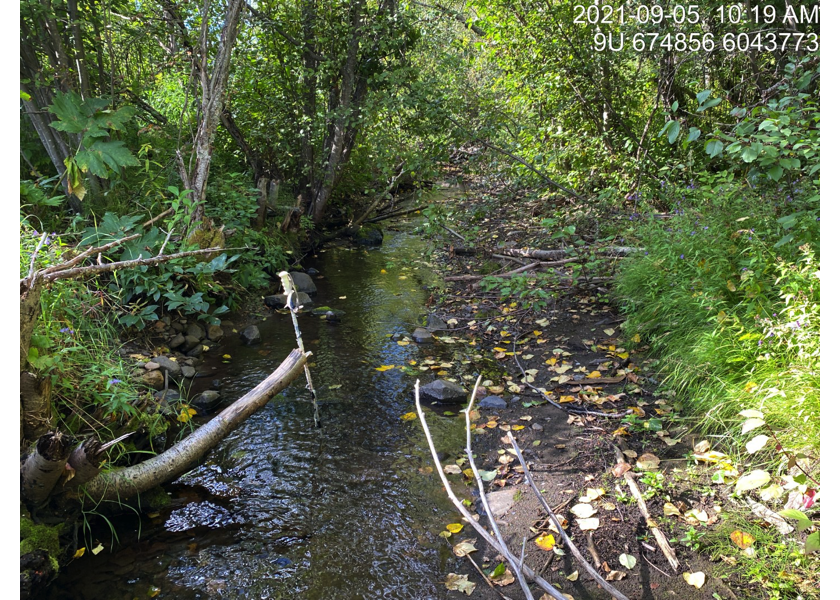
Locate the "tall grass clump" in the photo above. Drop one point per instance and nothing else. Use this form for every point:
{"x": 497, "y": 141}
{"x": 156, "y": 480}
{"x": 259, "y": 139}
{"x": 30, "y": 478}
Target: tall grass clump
{"x": 727, "y": 295}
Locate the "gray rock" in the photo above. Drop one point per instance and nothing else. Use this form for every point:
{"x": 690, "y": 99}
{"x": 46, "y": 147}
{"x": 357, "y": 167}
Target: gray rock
{"x": 312, "y": 271}
{"x": 190, "y": 342}
{"x": 502, "y": 501}
{"x": 177, "y": 326}
{"x": 215, "y": 333}
{"x": 250, "y": 335}
{"x": 303, "y": 283}
{"x": 537, "y": 427}
{"x": 435, "y": 323}
{"x": 278, "y": 301}
{"x": 168, "y": 364}
{"x": 151, "y": 366}
{"x": 196, "y": 330}
{"x": 166, "y": 319}
{"x": 226, "y": 323}
{"x": 207, "y": 401}
{"x": 441, "y": 390}
{"x": 197, "y": 351}
{"x": 493, "y": 402}
{"x": 188, "y": 372}
{"x": 177, "y": 341}
{"x": 169, "y": 396}
{"x": 369, "y": 235}
{"x": 422, "y": 335}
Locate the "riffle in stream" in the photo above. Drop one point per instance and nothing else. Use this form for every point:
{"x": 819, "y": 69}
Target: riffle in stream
{"x": 281, "y": 509}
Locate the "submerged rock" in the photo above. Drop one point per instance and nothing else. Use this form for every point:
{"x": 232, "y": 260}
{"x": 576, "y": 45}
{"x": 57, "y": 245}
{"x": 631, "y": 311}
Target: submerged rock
{"x": 168, "y": 396}
{"x": 493, "y": 402}
{"x": 369, "y": 235}
{"x": 250, "y": 335}
{"x": 441, "y": 390}
{"x": 422, "y": 335}
{"x": 207, "y": 401}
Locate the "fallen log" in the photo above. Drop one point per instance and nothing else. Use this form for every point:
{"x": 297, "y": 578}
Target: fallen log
{"x": 522, "y": 269}
{"x": 125, "y": 484}
{"x": 553, "y": 254}
{"x": 398, "y": 213}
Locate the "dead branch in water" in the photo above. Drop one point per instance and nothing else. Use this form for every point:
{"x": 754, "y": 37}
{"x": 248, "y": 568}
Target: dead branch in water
{"x": 125, "y": 484}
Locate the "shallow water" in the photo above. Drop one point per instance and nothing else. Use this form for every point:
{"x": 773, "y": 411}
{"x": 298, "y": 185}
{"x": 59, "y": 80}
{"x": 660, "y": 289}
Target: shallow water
{"x": 281, "y": 509}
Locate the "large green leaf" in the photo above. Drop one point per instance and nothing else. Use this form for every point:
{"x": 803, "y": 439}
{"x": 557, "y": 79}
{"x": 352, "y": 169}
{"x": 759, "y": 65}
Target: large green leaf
{"x": 103, "y": 155}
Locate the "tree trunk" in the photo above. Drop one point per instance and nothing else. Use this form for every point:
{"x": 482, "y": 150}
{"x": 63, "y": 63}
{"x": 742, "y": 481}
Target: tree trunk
{"x": 336, "y": 142}
{"x": 211, "y": 104}
{"x": 262, "y": 203}
{"x": 125, "y": 484}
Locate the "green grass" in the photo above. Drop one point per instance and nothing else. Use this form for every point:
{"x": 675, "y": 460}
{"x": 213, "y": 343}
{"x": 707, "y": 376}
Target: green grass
{"x": 731, "y": 309}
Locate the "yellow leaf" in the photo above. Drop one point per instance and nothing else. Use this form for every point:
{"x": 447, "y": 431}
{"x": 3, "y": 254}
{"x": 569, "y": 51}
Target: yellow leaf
{"x": 518, "y": 427}
{"x": 623, "y": 354}
{"x": 730, "y": 286}
{"x": 226, "y": 356}
{"x": 79, "y": 553}
{"x": 742, "y": 539}
{"x": 537, "y": 333}
{"x": 551, "y": 361}
{"x": 636, "y": 338}
{"x": 545, "y": 541}
{"x": 403, "y": 343}
{"x": 383, "y": 271}
{"x": 594, "y": 375}
{"x": 497, "y": 349}
{"x": 454, "y": 527}
{"x": 385, "y": 368}
{"x": 409, "y": 416}
{"x": 621, "y": 431}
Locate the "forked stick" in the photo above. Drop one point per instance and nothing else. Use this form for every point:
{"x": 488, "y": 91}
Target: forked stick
{"x": 514, "y": 564}
{"x": 529, "y": 572}
{"x": 661, "y": 540}
{"x": 572, "y": 548}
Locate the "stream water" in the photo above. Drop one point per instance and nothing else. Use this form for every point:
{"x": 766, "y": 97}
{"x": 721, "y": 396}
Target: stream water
{"x": 281, "y": 509}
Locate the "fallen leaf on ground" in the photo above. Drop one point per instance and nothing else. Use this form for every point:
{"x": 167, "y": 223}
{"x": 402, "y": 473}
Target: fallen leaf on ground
{"x": 573, "y": 576}
{"x": 454, "y": 527}
{"x": 752, "y": 480}
{"x": 751, "y": 414}
{"x": 742, "y": 539}
{"x": 403, "y": 343}
{"x": 97, "y": 550}
{"x": 385, "y": 368}
{"x": 459, "y": 583}
{"x": 545, "y": 541}
{"x": 589, "y": 524}
{"x": 464, "y": 548}
{"x": 702, "y": 447}
{"x": 609, "y": 332}
{"x": 80, "y": 552}
{"x": 670, "y": 510}
{"x": 409, "y": 416}
{"x": 628, "y": 561}
{"x": 648, "y": 462}
{"x": 583, "y": 511}
{"x": 615, "y": 576}
{"x": 505, "y": 578}
{"x": 594, "y": 493}
{"x": 696, "y": 579}
{"x": 452, "y": 469}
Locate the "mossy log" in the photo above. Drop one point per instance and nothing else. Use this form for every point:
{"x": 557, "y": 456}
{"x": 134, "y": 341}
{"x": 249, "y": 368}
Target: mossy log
{"x": 124, "y": 484}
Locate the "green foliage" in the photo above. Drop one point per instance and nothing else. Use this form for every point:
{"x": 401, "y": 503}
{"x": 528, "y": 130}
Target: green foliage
{"x": 527, "y": 290}
{"x": 727, "y": 292}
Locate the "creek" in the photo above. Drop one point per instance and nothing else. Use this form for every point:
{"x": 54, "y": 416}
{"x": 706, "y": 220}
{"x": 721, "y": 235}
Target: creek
{"x": 281, "y": 509}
